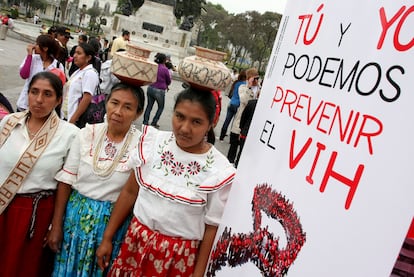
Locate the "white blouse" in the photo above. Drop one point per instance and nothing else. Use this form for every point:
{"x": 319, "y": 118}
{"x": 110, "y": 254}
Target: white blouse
{"x": 81, "y": 81}
{"x": 42, "y": 176}
{"x": 35, "y": 67}
{"x": 78, "y": 170}
{"x": 180, "y": 192}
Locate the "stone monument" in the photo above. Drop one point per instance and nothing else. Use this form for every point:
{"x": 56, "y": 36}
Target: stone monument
{"x": 154, "y": 27}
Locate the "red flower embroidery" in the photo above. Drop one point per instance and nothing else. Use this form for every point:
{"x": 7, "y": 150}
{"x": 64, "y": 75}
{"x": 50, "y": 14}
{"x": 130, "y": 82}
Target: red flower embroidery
{"x": 193, "y": 168}
{"x": 110, "y": 150}
{"x": 167, "y": 158}
{"x": 177, "y": 168}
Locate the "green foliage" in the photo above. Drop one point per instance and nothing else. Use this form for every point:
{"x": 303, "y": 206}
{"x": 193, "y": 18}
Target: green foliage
{"x": 93, "y": 12}
{"x": 39, "y": 5}
{"x": 247, "y": 37}
{"x": 212, "y": 27}
{"x": 14, "y": 13}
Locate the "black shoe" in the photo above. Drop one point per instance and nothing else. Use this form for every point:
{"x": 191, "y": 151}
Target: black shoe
{"x": 155, "y": 125}
{"x": 222, "y": 137}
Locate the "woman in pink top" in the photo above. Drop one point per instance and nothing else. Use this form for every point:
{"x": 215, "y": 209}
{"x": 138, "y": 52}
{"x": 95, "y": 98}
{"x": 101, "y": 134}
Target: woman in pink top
{"x": 40, "y": 57}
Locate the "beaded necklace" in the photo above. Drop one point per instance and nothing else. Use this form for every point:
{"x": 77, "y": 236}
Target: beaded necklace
{"x": 98, "y": 168}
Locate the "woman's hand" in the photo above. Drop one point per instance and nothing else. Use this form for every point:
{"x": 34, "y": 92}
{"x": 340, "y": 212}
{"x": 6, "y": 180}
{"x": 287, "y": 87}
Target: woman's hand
{"x": 103, "y": 254}
{"x": 30, "y": 49}
{"x": 54, "y": 238}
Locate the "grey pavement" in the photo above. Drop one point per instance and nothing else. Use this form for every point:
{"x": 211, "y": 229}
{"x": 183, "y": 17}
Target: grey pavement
{"x": 13, "y": 51}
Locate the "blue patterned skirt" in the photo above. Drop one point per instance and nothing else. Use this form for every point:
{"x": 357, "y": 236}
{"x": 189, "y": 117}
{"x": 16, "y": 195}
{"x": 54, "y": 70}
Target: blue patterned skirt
{"x": 84, "y": 224}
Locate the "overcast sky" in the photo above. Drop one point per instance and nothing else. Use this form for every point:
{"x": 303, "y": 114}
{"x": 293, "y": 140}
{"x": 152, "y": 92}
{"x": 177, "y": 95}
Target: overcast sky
{"x": 240, "y": 6}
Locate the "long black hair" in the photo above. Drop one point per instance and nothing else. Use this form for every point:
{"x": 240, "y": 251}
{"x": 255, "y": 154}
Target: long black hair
{"x": 160, "y": 58}
{"x": 206, "y": 100}
{"x": 242, "y": 77}
{"x": 5, "y": 102}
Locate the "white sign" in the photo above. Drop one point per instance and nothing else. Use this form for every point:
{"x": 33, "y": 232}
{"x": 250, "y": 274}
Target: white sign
{"x": 324, "y": 186}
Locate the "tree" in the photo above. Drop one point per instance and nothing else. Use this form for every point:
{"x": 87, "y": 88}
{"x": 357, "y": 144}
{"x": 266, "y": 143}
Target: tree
{"x": 269, "y": 25}
{"x": 251, "y": 36}
{"x": 33, "y": 5}
{"x": 94, "y": 13}
{"x": 39, "y": 5}
{"x": 63, "y": 7}
{"x": 236, "y": 33}
{"x": 211, "y": 33}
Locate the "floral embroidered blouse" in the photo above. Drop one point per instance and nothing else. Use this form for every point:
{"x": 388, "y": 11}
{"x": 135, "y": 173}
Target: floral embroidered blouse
{"x": 180, "y": 192}
{"x": 78, "y": 169}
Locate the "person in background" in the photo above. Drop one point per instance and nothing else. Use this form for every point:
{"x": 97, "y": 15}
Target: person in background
{"x": 73, "y": 66}
{"x": 247, "y": 92}
{"x": 41, "y": 56}
{"x": 43, "y": 29}
{"x": 5, "y": 19}
{"x": 36, "y": 19}
{"x": 120, "y": 43}
{"x": 52, "y": 32}
{"x": 81, "y": 85}
{"x": 90, "y": 182}
{"x": 110, "y": 47}
{"x": 62, "y": 37}
{"x": 108, "y": 80}
{"x": 170, "y": 65}
{"x": 105, "y": 49}
{"x": 245, "y": 121}
{"x": 234, "y": 102}
{"x": 10, "y": 22}
{"x": 97, "y": 64}
{"x": 178, "y": 191}
{"x": 156, "y": 91}
{"x": 5, "y": 106}
{"x": 25, "y": 217}
{"x": 234, "y": 74}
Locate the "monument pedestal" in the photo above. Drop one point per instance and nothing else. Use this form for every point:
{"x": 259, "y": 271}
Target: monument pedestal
{"x": 154, "y": 27}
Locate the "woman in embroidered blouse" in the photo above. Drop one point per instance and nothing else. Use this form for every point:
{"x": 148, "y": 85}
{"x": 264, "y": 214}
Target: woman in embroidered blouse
{"x": 23, "y": 136}
{"x": 82, "y": 84}
{"x": 90, "y": 183}
{"x": 179, "y": 186}
{"x": 40, "y": 57}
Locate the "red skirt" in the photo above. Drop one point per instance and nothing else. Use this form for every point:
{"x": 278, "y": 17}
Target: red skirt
{"x": 148, "y": 253}
{"x": 22, "y": 255}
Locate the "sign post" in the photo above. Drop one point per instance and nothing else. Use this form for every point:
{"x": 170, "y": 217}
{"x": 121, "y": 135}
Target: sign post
{"x": 324, "y": 186}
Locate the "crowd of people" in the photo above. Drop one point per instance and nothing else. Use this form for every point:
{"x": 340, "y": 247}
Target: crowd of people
{"x": 90, "y": 198}
{"x": 85, "y": 200}
{"x": 245, "y": 87}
